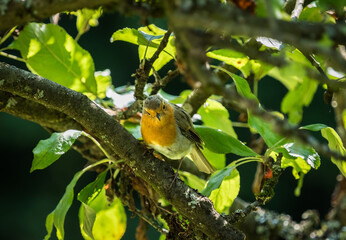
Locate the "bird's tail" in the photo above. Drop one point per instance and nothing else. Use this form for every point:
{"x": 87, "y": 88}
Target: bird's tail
{"x": 201, "y": 162}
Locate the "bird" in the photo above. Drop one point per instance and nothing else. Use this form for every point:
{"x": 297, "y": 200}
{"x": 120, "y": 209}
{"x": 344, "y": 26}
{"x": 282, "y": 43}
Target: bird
{"x": 168, "y": 129}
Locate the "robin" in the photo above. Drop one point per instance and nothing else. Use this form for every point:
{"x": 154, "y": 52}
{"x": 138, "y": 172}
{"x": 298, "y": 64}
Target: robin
{"x": 168, "y": 129}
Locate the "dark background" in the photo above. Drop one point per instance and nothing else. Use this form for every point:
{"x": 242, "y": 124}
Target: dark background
{"x": 26, "y": 199}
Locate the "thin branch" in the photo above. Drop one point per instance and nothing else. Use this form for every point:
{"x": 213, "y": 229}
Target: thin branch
{"x": 298, "y": 8}
{"x": 161, "y": 83}
{"x": 142, "y": 73}
{"x": 20, "y": 12}
{"x": 227, "y": 21}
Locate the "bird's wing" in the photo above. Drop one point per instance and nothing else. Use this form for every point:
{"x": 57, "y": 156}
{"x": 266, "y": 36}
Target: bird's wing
{"x": 186, "y": 127}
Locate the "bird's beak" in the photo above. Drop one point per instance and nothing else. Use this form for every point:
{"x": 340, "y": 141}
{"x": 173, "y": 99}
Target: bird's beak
{"x": 158, "y": 115}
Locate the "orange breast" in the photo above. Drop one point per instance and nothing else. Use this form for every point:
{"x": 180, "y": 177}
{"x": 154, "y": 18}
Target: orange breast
{"x": 159, "y": 132}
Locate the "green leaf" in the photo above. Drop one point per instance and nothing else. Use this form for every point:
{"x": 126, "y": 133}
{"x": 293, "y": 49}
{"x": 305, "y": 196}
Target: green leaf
{"x": 215, "y": 115}
{"x": 110, "y": 221}
{"x": 264, "y": 129}
{"x": 230, "y": 57}
{"x": 326, "y": 5}
{"x": 51, "y": 53}
{"x": 148, "y": 39}
{"x": 301, "y": 151}
{"x": 87, "y": 17}
{"x": 315, "y": 14}
{"x": 48, "y": 151}
{"x": 335, "y": 143}
{"x": 217, "y": 160}
{"x": 156, "y": 34}
{"x": 256, "y": 67}
{"x": 103, "y": 81}
{"x": 314, "y": 127}
{"x": 64, "y": 205}
{"x": 93, "y": 189}
{"x": 220, "y": 142}
{"x": 299, "y": 166}
{"x": 243, "y": 87}
{"x": 192, "y": 180}
{"x": 49, "y": 225}
{"x": 296, "y": 99}
{"x": 134, "y": 129}
{"x": 228, "y": 190}
{"x": 262, "y": 9}
{"x": 89, "y": 217}
{"x": 216, "y": 180}
{"x": 294, "y": 72}
{"x": 132, "y": 36}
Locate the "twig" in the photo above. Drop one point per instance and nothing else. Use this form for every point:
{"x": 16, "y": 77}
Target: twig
{"x": 302, "y": 35}
{"x": 11, "y": 56}
{"x": 142, "y": 73}
{"x": 240, "y": 214}
{"x": 151, "y": 222}
{"x": 297, "y": 10}
{"x": 161, "y": 83}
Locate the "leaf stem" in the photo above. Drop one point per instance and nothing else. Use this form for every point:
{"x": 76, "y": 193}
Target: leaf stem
{"x": 240, "y": 124}
{"x": 8, "y": 34}
{"x": 96, "y": 164}
{"x": 98, "y": 144}
{"x": 12, "y": 56}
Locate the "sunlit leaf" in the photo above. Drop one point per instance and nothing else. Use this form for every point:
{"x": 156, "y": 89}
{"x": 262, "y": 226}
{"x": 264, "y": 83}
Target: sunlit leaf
{"x": 296, "y": 99}
{"x": 230, "y": 57}
{"x": 89, "y": 217}
{"x": 49, "y": 225}
{"x": 314, "y": 14}
{"x": 276, "y": 7}
{"x": 215, "y": 115}
{"x": 51, "y": 53}
{"x": 110, "y": 221}
{"x": 103, "y": 81}
{"x": 86, "y": 18}
{"x": 93, "y": 189}
{"x": 148, "y": 39}
{"x": 270, "y": 42}
{"x": 220, "y": 142}
{"x": 256, "y": 68}
{"x": 133, "y": 36}
{"x": 298, "y": 165}
{"x": 224, "y": 195}
{"x": 217, "y": 160}
{"x": 48, "y": 151}
{"x": 335, "y": 143}
{"x": 192, "y": 180}
{"x": 304, "y": 152}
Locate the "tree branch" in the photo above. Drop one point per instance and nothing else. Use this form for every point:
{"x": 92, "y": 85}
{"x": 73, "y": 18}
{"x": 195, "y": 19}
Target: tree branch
{"x": 36, "y": 112}
{"x": 14, "y": 13}
{"x": 195, "y": 207}
{"x": 220, "y": 19}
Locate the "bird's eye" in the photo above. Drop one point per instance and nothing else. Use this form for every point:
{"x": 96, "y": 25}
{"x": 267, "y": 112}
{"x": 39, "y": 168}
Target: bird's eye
{"x": 164, "y": 106}
{"x": 147, "y": 112}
